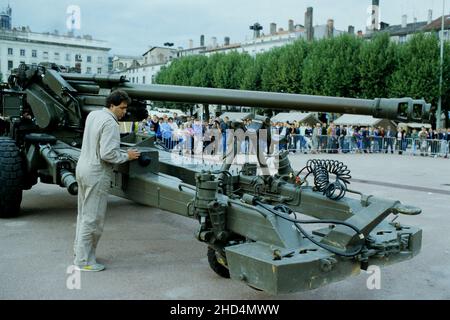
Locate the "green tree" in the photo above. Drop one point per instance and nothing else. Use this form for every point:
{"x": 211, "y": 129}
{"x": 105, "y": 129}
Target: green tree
{"x": 229, "y": 70}
{"x": 342, "y": 76}
{"x": 200, "y": 77}
{"x": 378, "y": 61}
{"x": 331, "y": 68}
{"x": 315, "y": 68}
{"x": 269, "y": 81}
{"x": 417, "y": 74}
{"x": 283, "y": 70}
{"x": 446, "y": 84}
{"x": 253, "y": 72}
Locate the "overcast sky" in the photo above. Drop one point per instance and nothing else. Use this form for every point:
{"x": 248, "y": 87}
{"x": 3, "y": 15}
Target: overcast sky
{"x": 131, "y": 26}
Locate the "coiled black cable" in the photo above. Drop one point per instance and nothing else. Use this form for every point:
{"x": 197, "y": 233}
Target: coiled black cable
{"x": 321, "y": 170}
{"x": 285, "y": 209}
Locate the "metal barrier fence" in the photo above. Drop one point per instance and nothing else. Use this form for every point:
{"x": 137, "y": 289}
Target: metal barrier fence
{"x": 325, "y": 144}
{"x": 370, "y": 144}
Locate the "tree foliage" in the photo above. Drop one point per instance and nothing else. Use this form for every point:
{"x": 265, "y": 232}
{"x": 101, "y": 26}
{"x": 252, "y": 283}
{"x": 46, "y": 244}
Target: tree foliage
{"x": 344, "y": 66}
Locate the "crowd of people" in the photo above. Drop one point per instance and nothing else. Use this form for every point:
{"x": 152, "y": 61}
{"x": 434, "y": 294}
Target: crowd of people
{"x": 363, "y": 139}
{"x": 178, "y": 132}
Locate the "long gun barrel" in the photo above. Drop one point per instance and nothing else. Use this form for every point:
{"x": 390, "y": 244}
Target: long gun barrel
{"x": 404, "y": 109}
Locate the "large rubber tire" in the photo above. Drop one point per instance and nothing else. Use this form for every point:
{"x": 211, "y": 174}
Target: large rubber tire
{"x": 217, "y": 267}
{"x": 11, "y": 176}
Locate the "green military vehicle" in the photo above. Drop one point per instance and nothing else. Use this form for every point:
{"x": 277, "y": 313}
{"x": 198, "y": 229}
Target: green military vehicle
{"x": 252, "y": 218}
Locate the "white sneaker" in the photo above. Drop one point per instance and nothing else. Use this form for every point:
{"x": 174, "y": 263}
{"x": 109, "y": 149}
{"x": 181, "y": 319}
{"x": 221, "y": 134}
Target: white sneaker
{"x": 91, "y": 268}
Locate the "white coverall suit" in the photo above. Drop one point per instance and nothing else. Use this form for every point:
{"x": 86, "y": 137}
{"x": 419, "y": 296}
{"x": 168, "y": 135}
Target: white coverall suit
{"x": 100, "y": 151}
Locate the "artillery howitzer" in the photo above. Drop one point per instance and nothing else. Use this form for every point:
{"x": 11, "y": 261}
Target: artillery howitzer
{"x": 248, "y": 218}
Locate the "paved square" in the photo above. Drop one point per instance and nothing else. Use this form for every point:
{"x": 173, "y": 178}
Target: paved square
{"x": 152, "y": 254}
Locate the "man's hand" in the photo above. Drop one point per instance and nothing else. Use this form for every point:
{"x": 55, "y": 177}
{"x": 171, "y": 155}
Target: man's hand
{"x": 133, "y": 154}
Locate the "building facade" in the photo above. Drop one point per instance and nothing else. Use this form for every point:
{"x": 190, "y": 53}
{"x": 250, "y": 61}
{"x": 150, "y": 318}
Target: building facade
{"x": 403, "y": 32}
{"x": 21, "y": 45}
{"x": 121, "y": 63}
{"x": 152, "y": 62}
{"x": 266, "y": 42}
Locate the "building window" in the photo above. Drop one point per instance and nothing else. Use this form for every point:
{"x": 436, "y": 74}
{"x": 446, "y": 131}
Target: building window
{"x": 67, "y": 56}
{"x": 143, "y": 80}
{"x": 99, "y": 70}
{"x": 56, "y": 56}
{"x": 34, "y": 53}
{"x": 22, "y": 52}
{"x": 88, "y": 59}
{"x": 78, "y": 58}
{"x": 10, "y": 51}
{"x": 45, "y": 55}
{"x": 10, "y": 64}
{"x": 88, "y": 70}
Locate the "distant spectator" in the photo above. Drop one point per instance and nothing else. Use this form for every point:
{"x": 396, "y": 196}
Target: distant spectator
{"x": 389, "y": 140}
{"x": 423, "y": 136}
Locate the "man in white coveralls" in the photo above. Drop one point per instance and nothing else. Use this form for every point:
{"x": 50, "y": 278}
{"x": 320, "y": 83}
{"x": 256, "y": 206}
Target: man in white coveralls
{"x": 100, "y": 151}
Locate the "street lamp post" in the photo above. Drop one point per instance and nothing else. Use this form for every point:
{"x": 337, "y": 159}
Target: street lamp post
{"x": 439, "y": 108}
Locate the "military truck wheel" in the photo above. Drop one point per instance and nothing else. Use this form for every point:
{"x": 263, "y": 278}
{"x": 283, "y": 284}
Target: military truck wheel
{"x": 11, "y": 174}
{"x": 219, "y": 268}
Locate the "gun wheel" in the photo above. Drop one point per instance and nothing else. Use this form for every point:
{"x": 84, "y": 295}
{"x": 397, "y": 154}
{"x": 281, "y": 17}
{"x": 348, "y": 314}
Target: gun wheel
{"x": 217, "y": 262}
{"x": 11, "y": 175}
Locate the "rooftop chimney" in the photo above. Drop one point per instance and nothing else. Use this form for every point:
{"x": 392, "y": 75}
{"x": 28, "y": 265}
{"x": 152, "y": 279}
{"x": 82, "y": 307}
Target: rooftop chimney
{"x": 214, "y": 42}
{"x": 273, "y": 28}
{"x": 330, "y": 28}
{"x": 430, "y": 16}
{"x": 291, "y": 25}
{"x": 351, "y": 29}
{"x": 309, "y": 24}
{"x": 404, "y": 21}
{"x": 202, "y": 40}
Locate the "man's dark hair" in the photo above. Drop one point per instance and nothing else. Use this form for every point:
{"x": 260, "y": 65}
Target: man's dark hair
{"x": 116, "y": 98}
